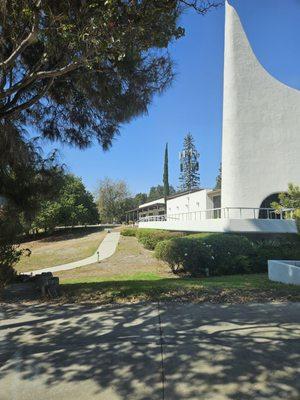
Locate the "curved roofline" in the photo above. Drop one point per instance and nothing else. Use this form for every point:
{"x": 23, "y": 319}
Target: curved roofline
{"x": 254, "y": 54}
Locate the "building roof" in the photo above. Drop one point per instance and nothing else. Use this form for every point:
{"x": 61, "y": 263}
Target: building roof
{"x": 215, "y": 192}
{"x": 157, "y": 202}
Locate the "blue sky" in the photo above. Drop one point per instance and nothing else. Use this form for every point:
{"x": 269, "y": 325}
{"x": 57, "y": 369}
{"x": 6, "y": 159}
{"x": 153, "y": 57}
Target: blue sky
{"x": 194, "y": 102}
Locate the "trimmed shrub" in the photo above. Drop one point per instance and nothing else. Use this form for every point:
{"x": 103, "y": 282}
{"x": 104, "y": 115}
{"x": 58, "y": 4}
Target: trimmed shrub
{"x": 274, "y": 250}
{"x": 224, "y": 254}
{"x": 214, "y": 254}
{"x": 128, "y": 231}
{"x": 189, "y": 255}
{"x": 149, "y": 238}
{"x": 231, "y": 254}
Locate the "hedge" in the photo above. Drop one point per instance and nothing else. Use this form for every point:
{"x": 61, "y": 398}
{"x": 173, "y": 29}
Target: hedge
{"x": 223, "y": 254}
{"x": 128, "y": 231}
{"x": 186, "y": 254}
{"x": 149, "y": 238}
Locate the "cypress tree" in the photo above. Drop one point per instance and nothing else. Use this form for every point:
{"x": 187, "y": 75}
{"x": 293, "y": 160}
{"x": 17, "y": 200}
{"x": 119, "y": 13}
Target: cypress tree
{"x": 166, "y": 175}
{"x": 189, "y": 165}
{"x": 219, "y": 178}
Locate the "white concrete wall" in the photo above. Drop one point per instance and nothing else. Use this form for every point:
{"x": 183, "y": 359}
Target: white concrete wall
{"x": 224, "y": 225}
{"x": 284, "y": 271}
{"x": 261, "y": 123}
{"x": 192, "y": 202}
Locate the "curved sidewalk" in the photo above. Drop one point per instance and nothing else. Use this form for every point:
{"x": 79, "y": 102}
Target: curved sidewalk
{"x": 106, "y": 249}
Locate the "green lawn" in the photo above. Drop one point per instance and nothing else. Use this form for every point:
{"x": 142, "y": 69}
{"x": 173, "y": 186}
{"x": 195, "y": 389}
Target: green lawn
{"x": 152, "y": 287}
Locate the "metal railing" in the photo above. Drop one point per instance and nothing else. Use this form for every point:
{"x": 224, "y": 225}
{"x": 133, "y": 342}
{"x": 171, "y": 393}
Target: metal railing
{"x": 225, "y": 213}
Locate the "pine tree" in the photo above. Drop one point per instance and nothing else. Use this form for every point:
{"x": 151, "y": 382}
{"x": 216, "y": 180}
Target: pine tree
{"x": 219, "y": 178}
{"x": 166, "y": 175}
{"x": 189, "y": 165}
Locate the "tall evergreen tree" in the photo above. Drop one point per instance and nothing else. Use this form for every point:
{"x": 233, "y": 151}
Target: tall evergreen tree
{"x": 219, "y": 178}
{"x": 189, "y": 165}
{"x": 166, "y": 175}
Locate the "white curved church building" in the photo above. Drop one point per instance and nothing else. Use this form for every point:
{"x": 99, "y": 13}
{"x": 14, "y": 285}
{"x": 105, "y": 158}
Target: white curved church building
{"x": 261, "y": 125}
{"x": 260, "y": 146}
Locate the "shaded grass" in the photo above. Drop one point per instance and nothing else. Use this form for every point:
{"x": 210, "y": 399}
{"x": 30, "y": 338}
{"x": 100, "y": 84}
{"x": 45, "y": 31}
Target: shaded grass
{"x": 151, "y": 287}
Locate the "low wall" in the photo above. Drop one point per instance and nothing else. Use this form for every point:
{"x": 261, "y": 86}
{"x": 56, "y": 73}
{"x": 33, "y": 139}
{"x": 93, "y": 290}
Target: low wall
{"x": 284, "y": 271}
{"x": 225, "y": 225}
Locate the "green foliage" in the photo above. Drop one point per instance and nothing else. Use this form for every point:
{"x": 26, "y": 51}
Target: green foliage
{"x": 84, "y": 67}
{"x": 166, "y": 174}
{"x": 24, "y": 183}
{"x": 231, "y": 254}
{"x": 157, "y": 192}
{"x": 150, "y": 237}
{"x": 189, "y": 177}
{"x": 74, "y": 206}
{"x": 9, "y": 253}
{"x": 188, "y": 254}
{"x": 113, "y": 200}
{"x": 277, "y": 249}
{"x": 224, "y": 254}
{"x": 129, "y": 231}
{"x": 140, "y": 198}
{"x": 291, "y": 199}
{"x": 9, "y": 256}
{"x": 219, "y": 179}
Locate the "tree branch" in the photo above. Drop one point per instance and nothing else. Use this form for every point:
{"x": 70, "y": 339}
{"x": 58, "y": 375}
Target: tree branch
{"x": 203, "y": 7}
{"x": 28, "y": 103}
{"x": 27, "y": 80}
{"x": 25, "y": 43}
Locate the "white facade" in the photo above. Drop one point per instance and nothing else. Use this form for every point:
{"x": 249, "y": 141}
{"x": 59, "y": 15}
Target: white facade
{"x": 189, "y": 203}
{"x": 260, "y": 149}
{"x": 223, "y": 225}
{"x": 261, "y": 123}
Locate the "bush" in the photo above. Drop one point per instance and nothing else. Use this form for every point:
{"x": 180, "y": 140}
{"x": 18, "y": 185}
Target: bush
{"x": 277, "y": 249}
{"x": 231, "y": 254}
{"x": 128, "y": 231}
{"x": 224, "y": 254}
{"x": 219, "y": 254}
{"x": 9, "y": 255}
{"x": 190, "y": 255}
{"x": 149, "y": 238}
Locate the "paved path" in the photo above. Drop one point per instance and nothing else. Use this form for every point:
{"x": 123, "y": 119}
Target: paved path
{"x": 151, "y": 351}
{"x": 106, "y": 249}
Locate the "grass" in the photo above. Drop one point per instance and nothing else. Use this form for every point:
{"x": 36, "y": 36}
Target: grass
{"x": 132, "y": 274}
{"x": 59, "y": 249}
{"x": 152, "y": 287}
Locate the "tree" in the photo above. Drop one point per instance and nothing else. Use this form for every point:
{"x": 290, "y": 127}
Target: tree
{"x": 74, "y": 206}
{"x": 219, "y": 178}
{"x": 166, "y": 175}
{"x": 23, "y": 184}
{"x": 76, "y": 70}
{"x": 157, "y": 192}
{"x": 189, "y": 165}
{"x": 140, "y": 198}
{"x": 113, "y": 200}
{"x": 289, "y": 200}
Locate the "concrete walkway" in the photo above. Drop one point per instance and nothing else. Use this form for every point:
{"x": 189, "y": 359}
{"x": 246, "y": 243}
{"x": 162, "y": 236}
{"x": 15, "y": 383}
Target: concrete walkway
{"x": 106, "y": 249}
{"x": 151, "y": 351}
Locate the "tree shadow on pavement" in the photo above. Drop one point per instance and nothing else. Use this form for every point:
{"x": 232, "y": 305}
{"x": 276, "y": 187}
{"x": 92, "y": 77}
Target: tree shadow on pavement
{"x": 150, "y": 351}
